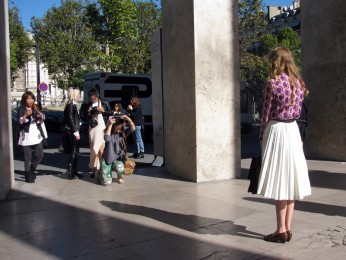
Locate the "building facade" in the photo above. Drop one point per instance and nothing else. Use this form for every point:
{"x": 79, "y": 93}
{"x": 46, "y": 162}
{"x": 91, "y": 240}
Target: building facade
{"x": 28, "y": 81}
{"x": 280, "y": 17}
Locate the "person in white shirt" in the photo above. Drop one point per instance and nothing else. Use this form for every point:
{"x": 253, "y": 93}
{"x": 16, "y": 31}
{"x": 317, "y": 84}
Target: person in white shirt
{"x": 32, "y": 133}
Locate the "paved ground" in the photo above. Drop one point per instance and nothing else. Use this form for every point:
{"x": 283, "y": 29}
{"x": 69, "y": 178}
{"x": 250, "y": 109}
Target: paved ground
{"x": 157, "y": 216}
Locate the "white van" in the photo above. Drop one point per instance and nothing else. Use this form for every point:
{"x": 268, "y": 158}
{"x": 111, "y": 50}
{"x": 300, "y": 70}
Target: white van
{"x": 114, "y": 87}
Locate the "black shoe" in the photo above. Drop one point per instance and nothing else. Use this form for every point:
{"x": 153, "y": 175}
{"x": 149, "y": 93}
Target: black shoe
{"x": 80, "y": 176}
{"x": 136, "y": 155}
{"x": 94, "y": 173}
{"x": 29, "y": 177}
{"x": 32, "y": 171}
{"x": 141, "y": 155}
{"x": 70, "y": 175}
{"x": 278, "y": 238}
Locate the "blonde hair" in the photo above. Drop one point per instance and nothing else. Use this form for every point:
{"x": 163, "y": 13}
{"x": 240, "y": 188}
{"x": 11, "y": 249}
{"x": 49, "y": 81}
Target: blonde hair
{"x": 282, "y": 61}
{"x": 73, "y": 94}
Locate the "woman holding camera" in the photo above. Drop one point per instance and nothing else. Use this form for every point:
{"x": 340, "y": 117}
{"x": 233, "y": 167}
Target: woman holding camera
{"x": 32, "y": 133}
{"x": 96, "y": 111}
{"x": 115, "y": 138}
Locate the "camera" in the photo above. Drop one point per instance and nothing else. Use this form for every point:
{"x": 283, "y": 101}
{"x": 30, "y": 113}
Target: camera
{"x": 116, "y": 116}
{"x": 118, "y": 119}
{"x": 93, "y": 110}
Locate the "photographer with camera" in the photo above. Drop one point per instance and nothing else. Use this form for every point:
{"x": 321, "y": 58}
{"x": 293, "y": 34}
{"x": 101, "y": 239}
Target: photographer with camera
{"x": 114, "y": 155}
{"x": 96, "y": 112}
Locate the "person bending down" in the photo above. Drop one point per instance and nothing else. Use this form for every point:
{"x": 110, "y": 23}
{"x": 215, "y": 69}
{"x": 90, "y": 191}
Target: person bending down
{"x": 115, "y": 144}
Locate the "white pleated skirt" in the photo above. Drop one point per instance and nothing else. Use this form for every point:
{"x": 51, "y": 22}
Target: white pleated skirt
{"x": 284, "y": 172}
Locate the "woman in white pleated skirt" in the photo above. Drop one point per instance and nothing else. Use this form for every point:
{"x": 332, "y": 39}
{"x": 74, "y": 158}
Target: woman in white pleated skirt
{"x": 284, "y": 173}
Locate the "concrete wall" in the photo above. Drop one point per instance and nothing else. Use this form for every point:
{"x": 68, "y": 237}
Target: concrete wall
{"x": 324, "y": 70}
{"x": 6, "y": 149}
{"x": 201, "y": 89}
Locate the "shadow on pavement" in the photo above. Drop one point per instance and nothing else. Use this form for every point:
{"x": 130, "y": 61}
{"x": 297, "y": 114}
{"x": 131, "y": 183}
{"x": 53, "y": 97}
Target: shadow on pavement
{"x": 192, "y": 223}
{"x": 308, "y": 206}
{"x": 38, "y": 228}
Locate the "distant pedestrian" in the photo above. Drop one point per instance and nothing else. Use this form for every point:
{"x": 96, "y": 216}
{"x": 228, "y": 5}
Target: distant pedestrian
{"x": 32, "y": 133}
{"x": 284, "y": 173}
{"x": 72, "y": 126}
{"x": 118, "y": 109}
{"x": 134, "y": 109}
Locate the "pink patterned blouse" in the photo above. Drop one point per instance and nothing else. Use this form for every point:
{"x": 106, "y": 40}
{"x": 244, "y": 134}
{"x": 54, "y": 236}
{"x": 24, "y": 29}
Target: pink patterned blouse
{"x": 277, "y": 101}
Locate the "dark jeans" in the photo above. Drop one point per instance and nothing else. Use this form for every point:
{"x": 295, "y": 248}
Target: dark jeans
{"x": 74, "y": 144}
{"x": 38, "y": 155}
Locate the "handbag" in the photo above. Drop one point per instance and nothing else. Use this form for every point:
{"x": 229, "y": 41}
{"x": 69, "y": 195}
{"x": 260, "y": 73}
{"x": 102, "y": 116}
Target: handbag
{"x": 254, "y": 173}
{"x": 65, "y": 144}
{"x": 43, "y": 131}
{"x": 93, "y": 123}
{"x": 130, "y": 166}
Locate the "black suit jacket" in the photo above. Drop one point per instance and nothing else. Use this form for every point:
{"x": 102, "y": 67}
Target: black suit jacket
{"x": 71, "y": 117}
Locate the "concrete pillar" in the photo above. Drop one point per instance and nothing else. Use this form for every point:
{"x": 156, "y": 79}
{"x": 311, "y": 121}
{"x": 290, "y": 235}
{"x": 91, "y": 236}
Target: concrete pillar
{"x": 324, "y": 67}
{"x": 6, "y": 149}
{"x": 201, "y": 89}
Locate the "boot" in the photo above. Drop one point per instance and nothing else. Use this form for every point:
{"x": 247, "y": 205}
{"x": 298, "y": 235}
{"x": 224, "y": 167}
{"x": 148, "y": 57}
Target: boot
{"x": 32, "y": 171}
{"x": 70, "y": 174}
{"x": 75, "y": 172}
{"x": 29, "y": 177}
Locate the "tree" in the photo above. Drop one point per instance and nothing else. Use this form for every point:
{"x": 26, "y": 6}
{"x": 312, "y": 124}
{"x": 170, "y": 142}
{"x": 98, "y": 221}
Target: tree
{"x": 20, "y": 43}
{"x": 135, "y": 52}
{"x": 111, "y": 21}
{"x": 267, "y": 43}
{"x": 123, "y": 29}
{"x": 287, "y": 37}
{"x": 65, "y": 42}
{"x": 252, "y": 26}
{"x": 290, "y": 39}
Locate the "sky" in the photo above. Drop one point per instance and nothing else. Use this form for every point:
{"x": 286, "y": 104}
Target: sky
{"x": 37, "y": 8}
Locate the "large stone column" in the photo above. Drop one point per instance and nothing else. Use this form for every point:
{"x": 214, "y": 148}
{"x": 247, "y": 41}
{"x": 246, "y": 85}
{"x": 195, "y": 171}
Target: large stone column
{"x": 6, "y": 161}
{"x": 324, "y": 70}
{"x": 201, "y": 89}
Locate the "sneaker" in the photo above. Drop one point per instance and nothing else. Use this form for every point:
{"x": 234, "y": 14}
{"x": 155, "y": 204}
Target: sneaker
{"x": 136, "y": 155}
{"x": 141, "y": 155}
{"x": 121, "y": 180}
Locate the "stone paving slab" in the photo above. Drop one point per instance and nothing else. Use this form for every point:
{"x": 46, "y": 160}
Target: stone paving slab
{"x": 155, "y": 215}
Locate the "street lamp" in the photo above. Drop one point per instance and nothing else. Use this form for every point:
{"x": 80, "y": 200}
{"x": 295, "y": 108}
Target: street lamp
{"x": 38, "y": 96}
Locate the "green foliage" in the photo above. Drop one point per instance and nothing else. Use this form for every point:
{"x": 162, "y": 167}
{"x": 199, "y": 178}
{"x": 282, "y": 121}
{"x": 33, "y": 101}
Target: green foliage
{"x": 20, "y": 43}
{"x": 252, "y": 26}
{"x": 111, "y": 21}
{"x": 136, "y": 51}
{"x": 290, "y": 39}
{"x": 267, "y": 43}
{"x": 252, "y": 23}
{"x": 65, "y": 42}
{"x": 123, "y": 30}
{"x": 256, "y": 42}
